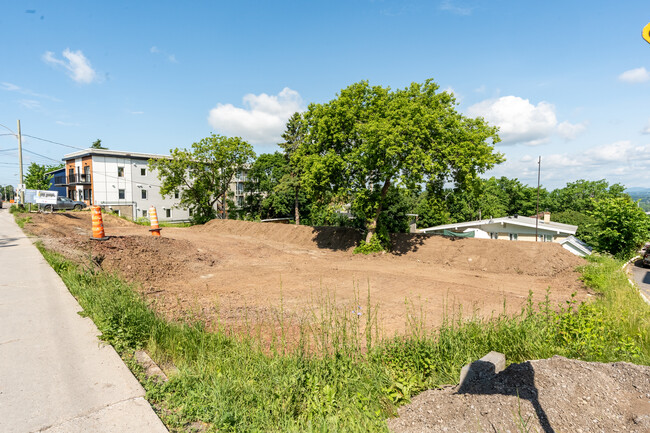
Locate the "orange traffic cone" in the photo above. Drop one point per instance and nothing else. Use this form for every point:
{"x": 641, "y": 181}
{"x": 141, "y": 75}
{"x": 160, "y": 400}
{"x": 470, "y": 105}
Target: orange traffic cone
{"x": 153, "y": 216}
{"x": 98, "y": 224}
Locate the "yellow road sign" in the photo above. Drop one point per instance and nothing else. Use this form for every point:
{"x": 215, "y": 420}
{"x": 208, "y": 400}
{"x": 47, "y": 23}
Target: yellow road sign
{"x": 646, "y": 33}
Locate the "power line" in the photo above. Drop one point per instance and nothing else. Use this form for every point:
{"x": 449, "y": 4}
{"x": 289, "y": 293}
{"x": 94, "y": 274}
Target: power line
{"x": 53, "y": 142}
{"x": 42, "y": 156}
{"x": 8, "y": 150}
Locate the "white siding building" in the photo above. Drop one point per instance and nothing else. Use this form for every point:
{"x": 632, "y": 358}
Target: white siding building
{"x": 118, "y": 181}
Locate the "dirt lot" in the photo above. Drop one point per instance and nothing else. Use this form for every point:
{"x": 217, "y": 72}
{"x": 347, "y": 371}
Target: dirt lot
{"x": 232, "y": 271}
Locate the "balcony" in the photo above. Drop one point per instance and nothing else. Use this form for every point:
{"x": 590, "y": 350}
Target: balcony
{"x": 75, "y": 179}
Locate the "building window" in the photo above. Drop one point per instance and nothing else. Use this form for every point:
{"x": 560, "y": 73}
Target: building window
{"x": 144, "y": 194}
{"x": 176, "y": 194}
{"x": 120, "y": 194}
{"x": 143, "y": 172}
{"x": 546, "y": 238}
{"x": 240, "y": 201}
{"x": 120, "y": 171}
{"x": 144, "y": 213}
{"x": 168, "y": 213}
{"x": 494, "y": 235}
{"x": 190, "y": 212}
{"x": 240, "y": 188}
{"x": 513, "y": 236}
{"x": 87, "y": 194}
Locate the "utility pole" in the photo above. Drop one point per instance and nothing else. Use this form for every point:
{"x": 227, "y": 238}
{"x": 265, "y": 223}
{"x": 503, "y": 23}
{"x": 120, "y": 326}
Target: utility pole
{"x": 20, "y": 163}
{"x": 539, "y": 169}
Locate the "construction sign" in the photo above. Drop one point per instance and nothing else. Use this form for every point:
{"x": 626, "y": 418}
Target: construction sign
{"x": 646, "y": 33}
{"x": 40, "y": 197}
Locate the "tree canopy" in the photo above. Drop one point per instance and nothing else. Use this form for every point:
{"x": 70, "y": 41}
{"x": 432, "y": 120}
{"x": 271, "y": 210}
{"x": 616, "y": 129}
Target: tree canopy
{"x": 262, "y": 200}
{"x": 36, "y": 177}
{"x": 294, "y": 137}
{"x": 97, "y": 144}
{"x": 370, "y": 138}
{"x": 620, "y": 226}
{"x": 202, "y": 175}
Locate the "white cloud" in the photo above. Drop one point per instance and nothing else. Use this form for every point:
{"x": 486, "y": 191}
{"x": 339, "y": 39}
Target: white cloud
{"x": 619, "y": 161}
{"x": 519, "y": 121}
{"x": 450, "y": 6}
{"x": 262, "y": 121}
{"x": 170, "y": 57}
{"x": 77, "y": 65}
{"x": 59, "y": 122}
{"x": 619, "y": 151}
{"x": 638, "y": 75}
{"x": 14, "y": 88}
{"x": 30, "y": 104}
{"x": 569, "y": 130}
{"x": 646, "y": 129}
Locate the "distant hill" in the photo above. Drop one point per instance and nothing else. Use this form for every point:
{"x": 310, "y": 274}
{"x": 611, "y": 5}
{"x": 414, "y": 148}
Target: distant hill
{"x": 640, "y": 193}
{"x": 637, "y": 190}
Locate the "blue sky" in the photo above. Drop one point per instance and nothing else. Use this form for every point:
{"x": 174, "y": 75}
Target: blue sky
{"x": 567, "y": 81}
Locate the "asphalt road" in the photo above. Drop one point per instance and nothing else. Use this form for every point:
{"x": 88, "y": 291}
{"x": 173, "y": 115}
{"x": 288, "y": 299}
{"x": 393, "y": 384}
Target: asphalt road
{"x": 641, "y": 276}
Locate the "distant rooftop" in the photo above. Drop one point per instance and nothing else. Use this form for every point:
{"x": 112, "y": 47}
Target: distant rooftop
{"x": 114, "y": 153}
{"x": 515, "y": 219}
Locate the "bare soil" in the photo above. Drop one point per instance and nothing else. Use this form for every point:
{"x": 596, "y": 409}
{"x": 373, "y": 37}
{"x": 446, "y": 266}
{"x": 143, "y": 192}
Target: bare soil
{"x": 549, "y": 395}
{"x": 228, "y": 272}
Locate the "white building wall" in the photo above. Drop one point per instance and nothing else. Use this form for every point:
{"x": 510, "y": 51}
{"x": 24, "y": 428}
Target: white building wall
{"x": 107, "y": 185}
{"x": 149, "y": 182}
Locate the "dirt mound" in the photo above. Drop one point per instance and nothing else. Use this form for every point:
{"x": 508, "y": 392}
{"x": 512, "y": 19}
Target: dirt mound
{"x": 503, "y": 257}
{"x": 226, "y": 269}
{"x": 150, "y": 260}
{"x": 332, "y": 238}
{"x": 64, "y": 224}
{"x": 549, "y": 395}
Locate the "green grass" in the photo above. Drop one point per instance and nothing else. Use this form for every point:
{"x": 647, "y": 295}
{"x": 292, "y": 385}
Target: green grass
{"x": 347, "y": 380}
{"x": 146, "y": 222}
{"x": 22, "y": 219}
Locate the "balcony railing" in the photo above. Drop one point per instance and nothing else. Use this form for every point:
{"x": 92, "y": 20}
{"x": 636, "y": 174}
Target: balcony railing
{"x": 74, "y": 179}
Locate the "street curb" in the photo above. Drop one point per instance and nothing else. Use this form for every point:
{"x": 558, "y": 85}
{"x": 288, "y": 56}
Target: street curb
{"x": 646, "y": 300}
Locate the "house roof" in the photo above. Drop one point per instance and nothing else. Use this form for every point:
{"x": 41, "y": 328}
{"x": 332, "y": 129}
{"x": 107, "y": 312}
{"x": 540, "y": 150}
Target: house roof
{"x": 577, "y": 244}
{"x": 514, "y": 220}
{"x": 56, "y": 171}
{"x": 113, "y": 153}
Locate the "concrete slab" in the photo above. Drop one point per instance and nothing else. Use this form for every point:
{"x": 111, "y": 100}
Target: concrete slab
{"x": 53, "y": 369}
{"x": 110, "y": 419}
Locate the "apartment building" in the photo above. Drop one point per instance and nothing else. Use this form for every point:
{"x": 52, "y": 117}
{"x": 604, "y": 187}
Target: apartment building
{"x": 123, "y": 182}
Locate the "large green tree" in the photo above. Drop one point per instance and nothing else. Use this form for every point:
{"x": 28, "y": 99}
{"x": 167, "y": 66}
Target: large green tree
{"x": 293, "y": 136}
{"x": 581, "y": 195}
{"x": 262, "y": 198}
{"x": 36, "y": 177}
{"x": 202, "y": 174}
{"x": 370, "y": 138}
{"x": 620, "y": 226}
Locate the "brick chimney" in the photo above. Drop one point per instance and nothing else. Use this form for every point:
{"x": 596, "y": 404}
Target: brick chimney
{"x": 547, "y": 217}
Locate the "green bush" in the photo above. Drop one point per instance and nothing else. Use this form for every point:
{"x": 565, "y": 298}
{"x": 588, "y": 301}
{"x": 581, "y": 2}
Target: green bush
{"x": 374, "y": 246}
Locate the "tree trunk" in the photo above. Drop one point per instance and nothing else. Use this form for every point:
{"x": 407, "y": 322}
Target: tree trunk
{"x": 372, "y": 228}
{"x": 224, "y": 213}
{"x": 295, "y": 208}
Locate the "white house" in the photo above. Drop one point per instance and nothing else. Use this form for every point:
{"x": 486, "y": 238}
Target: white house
{"x": 514, "y": 228}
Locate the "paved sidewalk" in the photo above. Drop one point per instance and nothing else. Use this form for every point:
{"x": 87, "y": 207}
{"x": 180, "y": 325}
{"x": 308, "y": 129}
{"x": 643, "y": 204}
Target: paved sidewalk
{"x": 55, "y": 375}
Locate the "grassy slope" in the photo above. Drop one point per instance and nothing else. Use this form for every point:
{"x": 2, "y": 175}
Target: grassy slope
{"x": 234, "y": 385}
